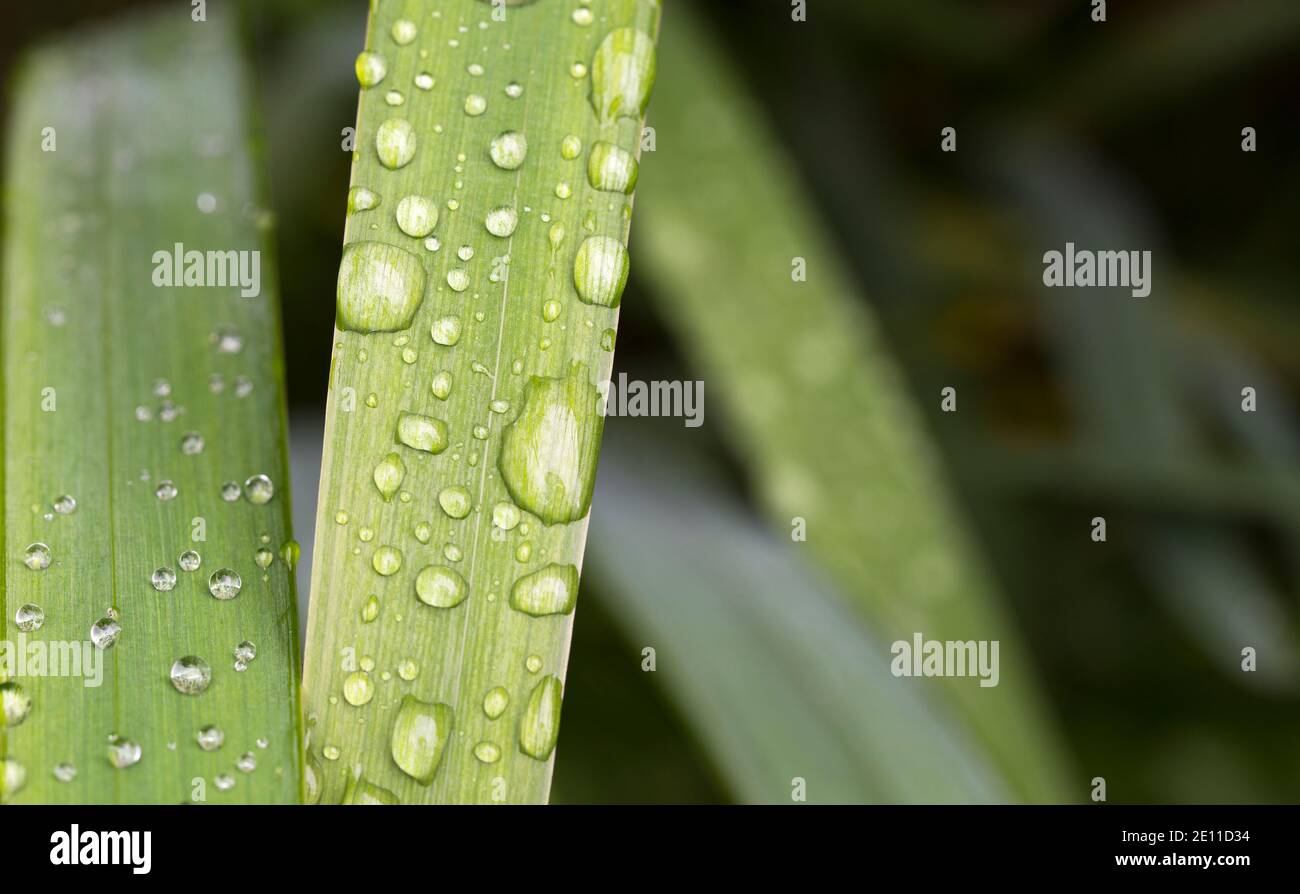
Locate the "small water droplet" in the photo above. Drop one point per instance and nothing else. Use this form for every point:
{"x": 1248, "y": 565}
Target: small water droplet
{"x": 362, "y": 199}
{"x": 224, "y": 782}
{"x": 191, "y": 675}
{"x": 600, "y": 271}
{"x": 533, "y": 663}
{"x": 424, "y": 81}
{"x": 65, "y": 772}
{"x": 387, "y": 560}
{"x": 539, "y": 727}
{"x": 440, "y": 587}
{"x": 612, "y": 168}
{"x": 225, "y": 584}
{"x": 395, "y": 143}
{"x": 475, "y": 105}
{"x": 417, "y": 215}
{"x": 163, "y": 579}
{"x": 552, "y": 590}
{"x": 422, "y": 432}
{"x": 508, "y": 150}
{"x": 210, "y": 738}
{"x": 37, "y": 557}
{"x": 371, "y": 69}
{"x": 501, "y": 222}
{"x": 403, "y": 32}
{"x": 582, "y": 16}
{"x": 487, "y": 753}
{"x": 408, "y": 670}
{"x": 65, "y": 505}
{"x": 455, "y": 501}
{"x": 388, "y": 475}
{"x": 259, "y": 490}
{"x": 263, "y": 557}
{"x": 123, "y": 752}
{"x": 358, "y": 690}
{"x": 370, "y": 610}
{"x": 446, "y": 330}
{"x": 514, "y": 90}
{"x": 495, "y": 702}
{"x": 104, "y": 633}
{"x": 189, "y": 560}
{"x": 29, "y": 618}
{"x": 458, "y": 279}
{"x": 166, "y": 491}
{"x": 441, "y": 385}
{"x": 247, "y": 762}
{"x": 15, "y": 704}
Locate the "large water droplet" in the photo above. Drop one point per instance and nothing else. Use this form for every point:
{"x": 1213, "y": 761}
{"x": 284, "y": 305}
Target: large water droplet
{"x": 552, "y": 590}
{"x": 440, "y": 587}
{"x": 622, "y": 74}
{"x": 539, "y": 727}
{"x": 420, "y": 734}
{"x": 508, "y": 150}
{"x": 15, "y": 704}
{"x": 380, "y": 287}
{"x": 548, "y": 454}
{"x": 611, "y": 168}
{"x": 600, "y": 271}
{"x": 191, "y": 675}
{"x": 422, "y": 432}
{"x": 395, "y": 143}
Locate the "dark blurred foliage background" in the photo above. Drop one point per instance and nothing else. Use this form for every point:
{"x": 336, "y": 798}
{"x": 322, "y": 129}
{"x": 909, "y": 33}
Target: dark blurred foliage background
{"x": 1122, "y": 135}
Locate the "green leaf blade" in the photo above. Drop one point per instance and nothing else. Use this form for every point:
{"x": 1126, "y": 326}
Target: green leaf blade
{"x": 482, "y": 375}
{"x": 149, "y": 124}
